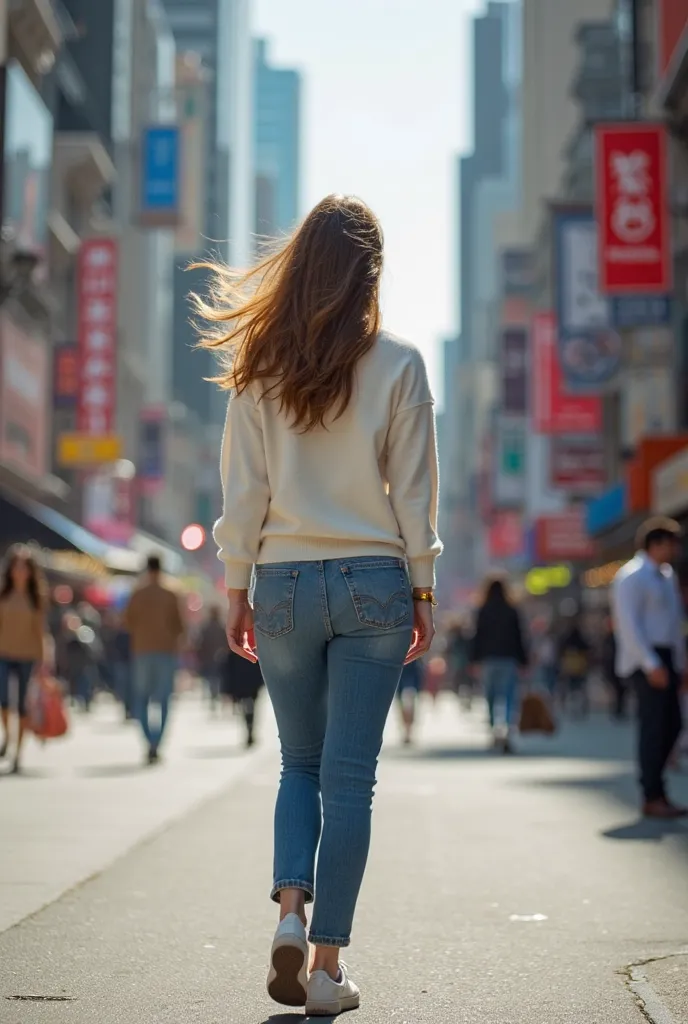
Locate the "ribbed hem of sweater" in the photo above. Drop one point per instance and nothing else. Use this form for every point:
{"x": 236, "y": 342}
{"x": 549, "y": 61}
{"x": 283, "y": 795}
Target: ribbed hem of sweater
{"x": 280, "y": 549}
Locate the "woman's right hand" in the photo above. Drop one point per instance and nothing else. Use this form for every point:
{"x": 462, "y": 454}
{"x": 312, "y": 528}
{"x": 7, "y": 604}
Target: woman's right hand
{"x": 423, "y": 630}
{"x": 240, "y": 634}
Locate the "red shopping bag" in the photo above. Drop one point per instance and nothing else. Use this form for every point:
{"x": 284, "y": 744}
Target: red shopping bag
{"x": 47, "y": 715}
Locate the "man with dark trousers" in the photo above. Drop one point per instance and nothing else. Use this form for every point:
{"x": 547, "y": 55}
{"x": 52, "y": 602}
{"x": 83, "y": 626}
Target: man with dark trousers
{"x": 651, "y": 651}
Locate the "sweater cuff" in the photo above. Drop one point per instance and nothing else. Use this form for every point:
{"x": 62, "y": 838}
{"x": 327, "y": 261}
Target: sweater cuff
{"x": 238, "y": 575}
{"x": 422, "y": 571}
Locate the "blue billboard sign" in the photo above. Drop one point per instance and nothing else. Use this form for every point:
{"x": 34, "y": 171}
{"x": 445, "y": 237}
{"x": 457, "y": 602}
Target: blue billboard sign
{"x": 152, "y": 451}
{"x": 590, "y": 349}
{"x": 606, "y": 510}
{"x": 160, "y": 176}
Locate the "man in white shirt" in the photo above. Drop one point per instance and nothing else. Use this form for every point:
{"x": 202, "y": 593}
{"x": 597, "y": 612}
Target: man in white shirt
{"x": 651, "y": 650}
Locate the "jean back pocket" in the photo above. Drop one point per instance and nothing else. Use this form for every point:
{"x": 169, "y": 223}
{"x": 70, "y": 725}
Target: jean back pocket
{"x": 273, "y": 600}
{"x": 380, "y": 591}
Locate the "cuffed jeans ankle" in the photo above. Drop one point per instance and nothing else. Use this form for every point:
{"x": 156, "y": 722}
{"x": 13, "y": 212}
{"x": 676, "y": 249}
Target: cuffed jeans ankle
{"x": 332, "y": 637}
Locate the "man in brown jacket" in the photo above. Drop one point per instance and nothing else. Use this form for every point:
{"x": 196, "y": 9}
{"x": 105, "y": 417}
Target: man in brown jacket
{"x": 154, "y": 623}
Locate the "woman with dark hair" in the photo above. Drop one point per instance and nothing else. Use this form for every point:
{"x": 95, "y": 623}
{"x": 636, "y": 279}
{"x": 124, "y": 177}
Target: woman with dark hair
{"x": 241, "y": 681}
{"x": 329, "y": 471}
{"x": 22, "y": 628}
{"x": 499, "y": 648}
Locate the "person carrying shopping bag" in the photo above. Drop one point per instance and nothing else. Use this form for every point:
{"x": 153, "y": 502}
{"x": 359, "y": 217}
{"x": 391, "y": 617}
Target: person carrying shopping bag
{"x": 22, "y": 632}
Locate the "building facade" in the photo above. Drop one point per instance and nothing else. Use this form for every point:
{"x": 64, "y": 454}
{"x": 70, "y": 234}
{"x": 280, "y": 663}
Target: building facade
{"x": 277, "y": 141}
{"x": 488, "y": 186}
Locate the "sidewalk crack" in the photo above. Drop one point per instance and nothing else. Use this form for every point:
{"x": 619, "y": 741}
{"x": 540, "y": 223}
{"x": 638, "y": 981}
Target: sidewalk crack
{"x": 645, "y": 997}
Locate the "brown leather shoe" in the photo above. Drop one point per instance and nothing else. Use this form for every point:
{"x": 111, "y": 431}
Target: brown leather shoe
{"x": 659, "y": 809}
{"x": 677, "y": 812}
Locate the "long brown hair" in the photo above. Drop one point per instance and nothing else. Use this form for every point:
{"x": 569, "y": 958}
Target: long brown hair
{"x": 301, "y": 319}
{"x": 35, "y": 582}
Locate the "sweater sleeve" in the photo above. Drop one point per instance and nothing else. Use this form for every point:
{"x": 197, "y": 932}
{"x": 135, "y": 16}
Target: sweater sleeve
{"x": 246, "y": 491}
{"x": 412, "y": 475}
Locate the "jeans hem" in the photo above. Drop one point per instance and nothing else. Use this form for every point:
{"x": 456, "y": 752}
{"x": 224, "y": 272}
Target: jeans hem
{"x": 328, "y": 940}
{"x": 291, "y": 883}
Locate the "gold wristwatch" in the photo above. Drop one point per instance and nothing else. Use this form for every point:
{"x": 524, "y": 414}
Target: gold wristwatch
{"x": 420, "y": 594}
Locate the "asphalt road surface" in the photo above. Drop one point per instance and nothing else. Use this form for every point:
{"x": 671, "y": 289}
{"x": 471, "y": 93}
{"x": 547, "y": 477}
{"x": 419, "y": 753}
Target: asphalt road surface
{"x": 499, "y": 891}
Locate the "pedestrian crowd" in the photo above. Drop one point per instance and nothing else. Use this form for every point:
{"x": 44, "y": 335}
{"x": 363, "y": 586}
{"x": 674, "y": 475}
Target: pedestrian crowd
{"x": 48, "y": 651}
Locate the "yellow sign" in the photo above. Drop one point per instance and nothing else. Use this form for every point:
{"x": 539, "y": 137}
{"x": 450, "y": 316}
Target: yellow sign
{"x": 540, "y": 581}
{"x": 87, "y": 450}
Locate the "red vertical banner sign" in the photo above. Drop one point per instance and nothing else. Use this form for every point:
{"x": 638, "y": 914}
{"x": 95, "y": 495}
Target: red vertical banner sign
{"x": 632, "y": 207}
{"x": 554, "y": 411}
{"x": 97, "y": 335}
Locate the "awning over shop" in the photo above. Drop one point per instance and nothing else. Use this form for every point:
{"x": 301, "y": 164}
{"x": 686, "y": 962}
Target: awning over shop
{"x": 25, "y": 521}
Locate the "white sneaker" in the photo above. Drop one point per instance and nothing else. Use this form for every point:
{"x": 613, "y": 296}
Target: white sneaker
{"x": 288, "y": 977}
{"x": 326, "y": 997}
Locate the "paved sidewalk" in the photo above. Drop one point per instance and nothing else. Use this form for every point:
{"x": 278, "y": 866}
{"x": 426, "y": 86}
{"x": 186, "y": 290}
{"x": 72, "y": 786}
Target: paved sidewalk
{"x": 499, "y": 891}
{"x": 84, "y": 801}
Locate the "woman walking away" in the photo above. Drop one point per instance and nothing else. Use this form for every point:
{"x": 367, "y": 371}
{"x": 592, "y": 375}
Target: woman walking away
{"x": 330, "y": 480}
{"x": 242, "y": 681}
{"x": 22, "y": 628}
{"x": 498, "y": 646}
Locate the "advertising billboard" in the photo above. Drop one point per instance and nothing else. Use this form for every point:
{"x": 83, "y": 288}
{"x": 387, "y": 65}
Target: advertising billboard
{"x": 577, "y": 464}
{"x": 65, "y": 375}
{"x": 160, "y": 179}
{"x": 513, "y": 365}
{"x": 509, "y": 463}
{"x": 553, "y": 410}
{"x": 563, "y": 537}
{"x": 97, "y": 335}
{"x": 590, "y": 349}
{"x": 24, "y": 386}
{"x": 151, "y": 464}
{"x": 505, "y": 536}
{"x": 632, "y": 207}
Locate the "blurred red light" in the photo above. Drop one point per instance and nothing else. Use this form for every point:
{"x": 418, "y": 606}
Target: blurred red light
{"x": 193, "y": 537}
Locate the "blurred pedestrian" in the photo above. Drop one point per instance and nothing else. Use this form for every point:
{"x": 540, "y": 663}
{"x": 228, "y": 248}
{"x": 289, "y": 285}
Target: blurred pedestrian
{"x": 544, "y": 653}
{"x": 330, "y": 481}
{"x": 651, "y": 650}
{"x": 410, "y": 686}
{"x": 22, "y": 632}
{"x": 617, "y": 685}
{"x": 155, "y": 625}
{"x": 117, "y": 656}
{"x": 499, "y": 648}
{"x": 574, "y": 668}
{"x": 458, "y": 646}
{"x": 78, "y": 655}
{"x": 241, "y": 681}
{"x": 211, "y": 652}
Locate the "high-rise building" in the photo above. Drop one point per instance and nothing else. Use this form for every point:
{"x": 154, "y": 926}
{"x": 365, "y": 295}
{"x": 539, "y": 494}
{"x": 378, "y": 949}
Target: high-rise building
{"x": 549, "y": 108}
{"x": 217, "y": 32}
{"x": 277, "y": 124}
{"x": 488, "y": 185}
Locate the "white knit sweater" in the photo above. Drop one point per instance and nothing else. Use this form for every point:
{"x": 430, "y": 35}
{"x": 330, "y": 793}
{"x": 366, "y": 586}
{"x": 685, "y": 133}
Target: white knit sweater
{"x": 364, "y": 485}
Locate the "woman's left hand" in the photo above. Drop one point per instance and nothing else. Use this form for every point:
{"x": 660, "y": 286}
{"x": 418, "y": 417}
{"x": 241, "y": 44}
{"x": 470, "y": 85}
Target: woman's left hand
{"x": 423, "y": 630}
{"x": 240, "y": 634}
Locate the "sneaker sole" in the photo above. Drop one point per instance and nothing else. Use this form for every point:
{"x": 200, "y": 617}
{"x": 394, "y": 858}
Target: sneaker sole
{"x": 318, "y": 1009}
{"x": 288, "y": 975}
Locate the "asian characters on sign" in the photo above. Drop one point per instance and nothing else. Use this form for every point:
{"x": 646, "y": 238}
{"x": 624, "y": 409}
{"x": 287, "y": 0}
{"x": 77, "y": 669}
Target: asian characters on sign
{"x": 632, "y": 214}
{"x": 97, "y": 297}
{"x": 632, "y": 210}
